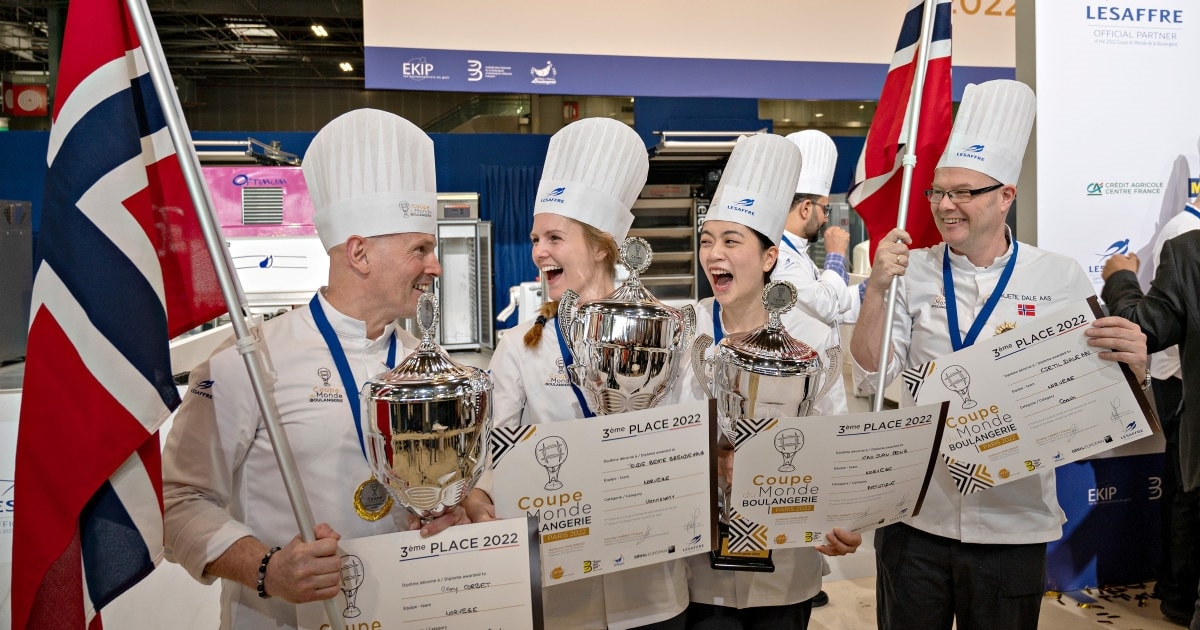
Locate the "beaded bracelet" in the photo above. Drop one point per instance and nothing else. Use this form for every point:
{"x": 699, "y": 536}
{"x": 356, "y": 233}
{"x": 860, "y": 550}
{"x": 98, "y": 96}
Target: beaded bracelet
{"x": 262, "y": 573}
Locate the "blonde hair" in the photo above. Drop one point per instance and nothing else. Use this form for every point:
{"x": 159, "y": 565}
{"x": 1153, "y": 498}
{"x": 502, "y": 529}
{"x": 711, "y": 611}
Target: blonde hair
{"x": 596, "y": 239}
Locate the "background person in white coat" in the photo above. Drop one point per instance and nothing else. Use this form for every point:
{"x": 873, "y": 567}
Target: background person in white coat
{"x": 227, "y": 514}
{"x": 738, "y": 248}
{"x": 595, "y": 168}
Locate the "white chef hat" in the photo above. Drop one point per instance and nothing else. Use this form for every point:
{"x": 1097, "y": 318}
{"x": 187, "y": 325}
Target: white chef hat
{"x": 819, "y": 156}
{"x": 757, "y": 184}
{"x": 370, "y": 173}
{"x": 595, "y": 168}
{"x": 992, "y": 129}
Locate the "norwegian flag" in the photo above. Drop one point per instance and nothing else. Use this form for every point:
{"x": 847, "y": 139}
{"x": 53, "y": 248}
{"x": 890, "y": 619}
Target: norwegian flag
{"x": 1027, "y": 310}
{"x": 875, "y": 193}
{"x": 121, "y": 266}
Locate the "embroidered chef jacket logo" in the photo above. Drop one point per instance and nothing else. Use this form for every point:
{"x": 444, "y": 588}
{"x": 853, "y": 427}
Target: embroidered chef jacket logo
{"x": 558, "y": 378}
{"x": 325, "y": 392}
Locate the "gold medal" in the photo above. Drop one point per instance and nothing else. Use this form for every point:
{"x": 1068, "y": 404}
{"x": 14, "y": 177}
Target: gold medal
{"x": 372, "y": 500}
{"x": 1005, "y": 327}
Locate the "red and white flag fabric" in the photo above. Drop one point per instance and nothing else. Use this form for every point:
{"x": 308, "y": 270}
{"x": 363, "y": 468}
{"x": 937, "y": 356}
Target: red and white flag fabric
{"x": 120, "y": 267}
{"x": 875, "y": 193}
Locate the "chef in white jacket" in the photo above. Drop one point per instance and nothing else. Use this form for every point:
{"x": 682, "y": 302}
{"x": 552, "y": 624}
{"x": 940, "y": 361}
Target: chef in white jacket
{"x": 227, "y": 515}
{"x": 739, "y": 245}
{"x": 823, "y": 297}
{"x": 976, "y": 560}
{"x": 595, "y": 168}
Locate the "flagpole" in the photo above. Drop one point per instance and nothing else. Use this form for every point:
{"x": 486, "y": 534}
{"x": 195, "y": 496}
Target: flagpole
{"x": 909, "y": 161}
{"x": 231, "y": 290}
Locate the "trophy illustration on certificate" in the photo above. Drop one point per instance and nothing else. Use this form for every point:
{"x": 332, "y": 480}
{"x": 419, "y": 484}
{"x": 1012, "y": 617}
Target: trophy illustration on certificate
{"x": 788, "y": 442}
{"x": 426, "y": 424}
{"x": 551, "y": 452}
{"x": 958, "y": 380}
{"x": 352, "y": 578}
{"x": 763, "y": 373}
{"x": 627, "y": 347}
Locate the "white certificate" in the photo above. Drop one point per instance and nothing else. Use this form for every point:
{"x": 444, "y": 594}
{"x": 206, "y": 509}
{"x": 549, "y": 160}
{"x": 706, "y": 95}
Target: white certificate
{"x": 465, "y": 577}
{"x": 611, "y": 492}
{"x": 1031, "y": 399}
{"x": 794, "y": 479}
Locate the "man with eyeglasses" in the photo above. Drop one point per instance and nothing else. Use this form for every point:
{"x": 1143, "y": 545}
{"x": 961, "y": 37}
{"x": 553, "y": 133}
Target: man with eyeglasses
{"x": 977, "y": 560}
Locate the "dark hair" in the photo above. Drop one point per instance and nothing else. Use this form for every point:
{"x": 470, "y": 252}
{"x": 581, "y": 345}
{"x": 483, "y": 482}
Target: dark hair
{"x": 800, "y": 198}
{"x": 766, "y": 244}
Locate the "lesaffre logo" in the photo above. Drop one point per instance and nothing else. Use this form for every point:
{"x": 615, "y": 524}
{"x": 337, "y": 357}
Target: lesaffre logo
{"x": 745, "y": 206}
{"x": 7, "y": 506}
{"x": 554, "y": 196}
{"x": 241, "y": 179}
{"x": 1118, "y": 247}
{"x": 1105, "y": 189}
{"x": 419, "y": 69}
{"x": 203, "y": 389}
{"x": 1134, "y": 14}
{"x": 972, "y": 152}
{"x": 545, "y": 75}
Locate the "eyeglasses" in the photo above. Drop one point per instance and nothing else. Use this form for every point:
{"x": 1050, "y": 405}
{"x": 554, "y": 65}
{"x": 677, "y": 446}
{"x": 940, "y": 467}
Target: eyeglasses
{"x": 822, "y": 206}
{"x": 958, "y": 196}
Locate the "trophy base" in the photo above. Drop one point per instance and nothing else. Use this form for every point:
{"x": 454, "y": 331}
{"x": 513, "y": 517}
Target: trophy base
{"x": 726, "y": 560}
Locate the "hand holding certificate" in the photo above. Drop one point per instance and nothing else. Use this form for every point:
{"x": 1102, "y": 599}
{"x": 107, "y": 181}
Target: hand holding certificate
{"x": 797, "y": 478}
{"x": 1030, "y": 399}
{"x": 468, "y": 576}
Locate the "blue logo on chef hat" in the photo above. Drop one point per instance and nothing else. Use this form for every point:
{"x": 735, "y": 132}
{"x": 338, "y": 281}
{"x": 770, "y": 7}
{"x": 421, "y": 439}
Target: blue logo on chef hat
{"x": 554, "y": 196}
{"x": 972, "y": 152}
{"x": 743, "y": 205}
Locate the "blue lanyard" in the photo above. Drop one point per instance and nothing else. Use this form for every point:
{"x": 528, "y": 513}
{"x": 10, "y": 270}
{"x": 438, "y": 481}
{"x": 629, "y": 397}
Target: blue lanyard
{"x": 718, "y": 331}
{"x": 952, "y": 306}
{"x": 567, "y": 361}
{"x": 1189, "y": 208}
{"x": 790, "y": 244}
{"x": 343, "y": 364}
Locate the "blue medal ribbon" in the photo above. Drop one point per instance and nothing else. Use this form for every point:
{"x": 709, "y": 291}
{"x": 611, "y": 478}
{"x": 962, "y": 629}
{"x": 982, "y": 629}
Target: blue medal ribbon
{"x": 956, "y": 339}
{"x": 790, "y": 244}
{"x": 568, "y": 359}
{"x": 718, "y": 331}
{"x": 1193, "y": 211}
{"x": 343, "y": 364}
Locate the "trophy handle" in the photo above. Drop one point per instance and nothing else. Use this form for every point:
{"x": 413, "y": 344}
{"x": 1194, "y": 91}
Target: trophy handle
{"x": 833, "y": 371}
{"x": 689, "y": 327}
{"x": 566, "y": 315}
{"x": 701, "y": 366}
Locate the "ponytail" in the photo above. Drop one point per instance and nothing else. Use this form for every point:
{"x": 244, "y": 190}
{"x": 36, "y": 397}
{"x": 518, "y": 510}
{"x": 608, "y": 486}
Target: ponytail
{"x": 533, "y": 336}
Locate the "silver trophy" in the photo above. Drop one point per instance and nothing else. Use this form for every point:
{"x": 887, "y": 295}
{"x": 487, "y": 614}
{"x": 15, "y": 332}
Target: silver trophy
{"x": 627, "y": 348}
{"x": 763, "y": 373}
{"x": 426, "y": 424}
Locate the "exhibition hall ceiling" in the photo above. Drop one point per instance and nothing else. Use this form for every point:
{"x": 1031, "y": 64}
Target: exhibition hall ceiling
{"x": 217, "y": 42}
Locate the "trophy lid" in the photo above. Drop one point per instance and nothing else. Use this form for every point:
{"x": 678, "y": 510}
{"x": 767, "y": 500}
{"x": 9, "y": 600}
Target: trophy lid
{"x": 632, "y": 299}
{"x": 428, "y": 373}
{"x": 769, "y": 349}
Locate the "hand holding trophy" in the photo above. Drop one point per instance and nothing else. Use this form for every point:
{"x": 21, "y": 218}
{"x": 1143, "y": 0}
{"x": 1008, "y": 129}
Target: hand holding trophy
{"x": 426, "y": 424}
{"x": 763, "y": 373}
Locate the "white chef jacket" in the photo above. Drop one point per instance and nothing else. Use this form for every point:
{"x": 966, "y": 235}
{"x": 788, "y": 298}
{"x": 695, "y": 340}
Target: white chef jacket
{"x": 1165, "y": 363}
{"x": 822, "y": 299}
{"x": 531, "y": 387}
{"x": 798, "y": 571}
{"x": 1022, "y": 511}
{"x": 220, "y": 478}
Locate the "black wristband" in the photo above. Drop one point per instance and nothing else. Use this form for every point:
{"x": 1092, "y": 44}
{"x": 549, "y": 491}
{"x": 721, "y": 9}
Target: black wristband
{"x": 262, "y": 573}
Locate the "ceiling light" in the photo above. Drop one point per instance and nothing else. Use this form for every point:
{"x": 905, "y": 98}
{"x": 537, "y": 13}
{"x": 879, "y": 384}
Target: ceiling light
{"x": 252, "y": 29}
{"x": 819, "y": 115}
{"x": 346, "y": 67}
{"x": 319, "y": 30}
{"x": 862, "y": 106}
